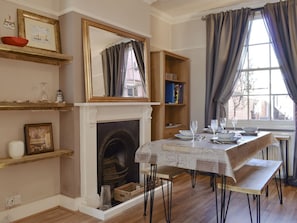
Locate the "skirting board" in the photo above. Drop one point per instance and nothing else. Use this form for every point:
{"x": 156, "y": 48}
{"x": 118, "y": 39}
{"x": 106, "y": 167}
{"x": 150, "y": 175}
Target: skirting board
{"x": 26, "y": 210}
{"x": 76, "y": 204}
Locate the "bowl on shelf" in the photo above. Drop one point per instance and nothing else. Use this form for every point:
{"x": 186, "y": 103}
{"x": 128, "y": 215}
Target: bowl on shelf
{"x": 15, "y": 41}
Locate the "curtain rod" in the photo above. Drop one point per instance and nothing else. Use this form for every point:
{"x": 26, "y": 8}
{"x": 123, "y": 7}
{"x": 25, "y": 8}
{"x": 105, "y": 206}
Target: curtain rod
{"x": 203, "y": 18}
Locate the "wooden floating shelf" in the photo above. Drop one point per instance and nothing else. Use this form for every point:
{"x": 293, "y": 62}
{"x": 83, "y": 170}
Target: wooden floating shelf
{"x": 32, "y": 158}
{"x": 33, "y": 54}
{"x": 35, "y": 106}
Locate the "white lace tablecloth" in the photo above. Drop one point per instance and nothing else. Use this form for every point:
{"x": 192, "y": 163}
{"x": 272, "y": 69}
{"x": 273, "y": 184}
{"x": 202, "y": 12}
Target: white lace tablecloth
{"x": 203, "y": 155}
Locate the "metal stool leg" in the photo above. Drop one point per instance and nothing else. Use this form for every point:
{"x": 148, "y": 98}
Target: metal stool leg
{"x": 145, "y": 195}
{"x": 167, "y": 204}
{"x": 193, "y": 177}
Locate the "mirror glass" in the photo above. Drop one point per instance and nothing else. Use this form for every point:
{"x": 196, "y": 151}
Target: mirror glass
{"x": 115, "y": 63}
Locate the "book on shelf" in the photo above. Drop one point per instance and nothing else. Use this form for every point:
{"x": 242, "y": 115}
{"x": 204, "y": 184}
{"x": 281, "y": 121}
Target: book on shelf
{"x": 174, "y": 93}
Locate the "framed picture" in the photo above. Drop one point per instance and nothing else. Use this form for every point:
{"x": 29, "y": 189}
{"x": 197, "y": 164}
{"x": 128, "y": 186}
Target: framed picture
{"x": 42, "y": 32}
{"x": 39, "y": 138}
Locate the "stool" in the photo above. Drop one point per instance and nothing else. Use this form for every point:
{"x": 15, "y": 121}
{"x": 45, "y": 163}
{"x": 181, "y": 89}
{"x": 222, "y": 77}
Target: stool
{"x": 167, "y": 173}
{"x": 253, "y": 178}
{"x": 284, "y": 139}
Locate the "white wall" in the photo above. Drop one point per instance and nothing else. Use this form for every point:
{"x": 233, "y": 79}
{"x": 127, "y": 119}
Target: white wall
{"x": 161, "y": 35}
{"x": 132, "y": 15}
{"x": 189, "y": 39}
{"x": 186, "y": 39}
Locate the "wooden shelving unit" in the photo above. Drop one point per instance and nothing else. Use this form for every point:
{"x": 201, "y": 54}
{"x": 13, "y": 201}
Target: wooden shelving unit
{"x": 33, "y": 54}
{"x": 171, "y": 115}
{"x": 32, "y": 158}
{"x": 38, "y": 56}
{"x": 35, "y": 106}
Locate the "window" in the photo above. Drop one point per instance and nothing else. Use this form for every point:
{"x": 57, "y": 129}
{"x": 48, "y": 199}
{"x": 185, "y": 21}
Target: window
{"x": 133, "y": 86}
{"x": 260, "y": 92}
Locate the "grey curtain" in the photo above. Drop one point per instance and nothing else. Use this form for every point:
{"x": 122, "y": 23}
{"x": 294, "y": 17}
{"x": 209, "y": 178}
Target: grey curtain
{"x": 138, "y": 49}
{"x": 114, "y": 62}
{"x": 281, "y": 21}
{"x": 226, "y": 33}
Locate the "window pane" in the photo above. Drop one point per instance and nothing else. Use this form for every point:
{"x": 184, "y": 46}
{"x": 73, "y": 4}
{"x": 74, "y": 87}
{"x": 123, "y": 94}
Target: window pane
{"x": 258, "y": 32}
{"x": 259, "y": 56}
{"x": 282, "y": 107}
{"x": 259, "y": 107}
{"x": 245, "y": 62}
{"x": 133, "y": 86}
{"x": 259, "y": 82}
{"x": 277, "y": 83}
{"x": 274, "y": 61}
{"x": 241, "y": 86}
{"x": 238, "y": 107}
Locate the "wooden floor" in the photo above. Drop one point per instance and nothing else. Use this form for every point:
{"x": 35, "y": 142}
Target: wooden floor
{"x": 189, "y": 206}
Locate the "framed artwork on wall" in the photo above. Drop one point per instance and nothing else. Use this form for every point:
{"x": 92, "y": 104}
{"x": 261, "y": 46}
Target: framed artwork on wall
{"x": 42, "y": 32}
{"x": 39, "y": 138}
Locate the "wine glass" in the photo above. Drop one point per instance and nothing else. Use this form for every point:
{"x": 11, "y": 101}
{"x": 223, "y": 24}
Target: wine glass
{"x": 194, "y": 128}
{"x": 214, "y": 126}
{"x": 234, "y": 122}
{"x": 223, "y": 122}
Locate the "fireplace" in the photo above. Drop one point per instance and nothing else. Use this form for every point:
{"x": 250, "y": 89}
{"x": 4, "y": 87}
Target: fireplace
{"x": 91, "y": 115}
{"x": 116, "y": 146}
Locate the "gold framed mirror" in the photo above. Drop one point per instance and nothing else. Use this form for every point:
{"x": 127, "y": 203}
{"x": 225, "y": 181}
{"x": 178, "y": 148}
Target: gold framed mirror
{"x": 115, "y": 63}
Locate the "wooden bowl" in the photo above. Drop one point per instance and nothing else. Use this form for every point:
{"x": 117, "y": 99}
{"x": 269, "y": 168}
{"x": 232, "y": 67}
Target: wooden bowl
{"x": 15, "y": 41}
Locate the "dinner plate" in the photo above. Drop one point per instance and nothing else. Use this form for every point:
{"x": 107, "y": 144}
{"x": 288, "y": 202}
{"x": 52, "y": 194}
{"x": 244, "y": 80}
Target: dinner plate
{"x": 183, "y": 137}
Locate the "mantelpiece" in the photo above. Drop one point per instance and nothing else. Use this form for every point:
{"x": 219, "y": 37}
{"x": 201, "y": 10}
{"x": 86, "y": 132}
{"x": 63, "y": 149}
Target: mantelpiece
{"x": 90, "y": 115}
{"x": 33, "y": 54}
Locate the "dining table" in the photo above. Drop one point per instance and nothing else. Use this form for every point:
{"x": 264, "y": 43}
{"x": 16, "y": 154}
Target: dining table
{"x": 206, "y": 153}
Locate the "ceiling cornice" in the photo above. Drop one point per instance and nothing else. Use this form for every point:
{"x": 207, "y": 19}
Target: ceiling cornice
{"x": 198, "y": 15}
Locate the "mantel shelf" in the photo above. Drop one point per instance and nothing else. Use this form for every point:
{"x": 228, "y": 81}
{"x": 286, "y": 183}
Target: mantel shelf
{"x": 35, "y": 106}
{"x": 33, "y": 54}
{"x": 32, "y": 158}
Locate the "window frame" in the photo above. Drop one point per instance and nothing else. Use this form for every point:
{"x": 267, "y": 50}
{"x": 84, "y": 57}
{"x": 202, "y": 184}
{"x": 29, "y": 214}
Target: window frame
{"x": 263, "y": 124}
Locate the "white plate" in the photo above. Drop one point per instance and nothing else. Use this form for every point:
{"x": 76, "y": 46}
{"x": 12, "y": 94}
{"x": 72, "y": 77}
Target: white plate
{"x": 183, "y": 137}
{"x": 186, "y": 132}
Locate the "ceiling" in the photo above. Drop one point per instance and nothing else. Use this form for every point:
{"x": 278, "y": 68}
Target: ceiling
{"x": 175, "y": 9}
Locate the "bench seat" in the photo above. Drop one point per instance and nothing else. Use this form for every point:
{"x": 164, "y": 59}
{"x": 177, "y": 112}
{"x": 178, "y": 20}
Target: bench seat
{"x": 253, "y": 178}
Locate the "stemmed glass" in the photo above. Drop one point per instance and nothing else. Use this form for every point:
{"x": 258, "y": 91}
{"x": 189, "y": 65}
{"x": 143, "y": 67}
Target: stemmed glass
{"x": 223, "y": 123}
{"x": 214, "y": 126}
{"x": 234, "y": 122}
{"x": 194, "y": 128}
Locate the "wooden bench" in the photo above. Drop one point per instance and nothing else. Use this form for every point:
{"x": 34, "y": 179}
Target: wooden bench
{"x": 167, "y": 173}
{"x": 253, "y": 178}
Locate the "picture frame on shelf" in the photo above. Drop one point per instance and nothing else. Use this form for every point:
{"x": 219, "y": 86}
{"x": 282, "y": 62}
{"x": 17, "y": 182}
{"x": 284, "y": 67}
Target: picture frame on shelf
{"x": 41, "y": 31}
{"x": 38, "y": 138}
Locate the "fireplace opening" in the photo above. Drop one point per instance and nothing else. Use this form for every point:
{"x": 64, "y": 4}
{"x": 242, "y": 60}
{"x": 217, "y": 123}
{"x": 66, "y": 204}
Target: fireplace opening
{"x": 117, "y": 143}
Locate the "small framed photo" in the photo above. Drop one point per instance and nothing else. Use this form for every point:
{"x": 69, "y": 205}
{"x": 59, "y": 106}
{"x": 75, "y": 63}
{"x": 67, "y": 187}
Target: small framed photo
{"x": 39, "y": 138}
{"x": 42, "y": 32}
